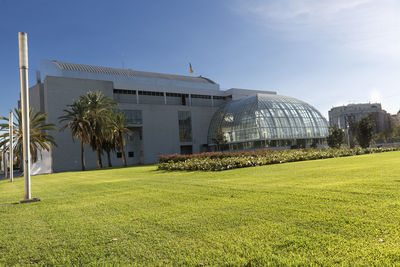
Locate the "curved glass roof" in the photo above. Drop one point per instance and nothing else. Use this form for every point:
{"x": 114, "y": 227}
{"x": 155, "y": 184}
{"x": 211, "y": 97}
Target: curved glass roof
{"x": 266, "y": 117}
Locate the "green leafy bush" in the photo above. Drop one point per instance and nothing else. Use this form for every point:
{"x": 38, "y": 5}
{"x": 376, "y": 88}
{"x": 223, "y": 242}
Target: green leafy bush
{"x": 219, "y": 161}
{"x": 336, "y": 137}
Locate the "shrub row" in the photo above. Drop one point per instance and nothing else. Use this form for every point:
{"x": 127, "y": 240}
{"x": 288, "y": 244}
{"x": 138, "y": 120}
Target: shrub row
{"x": 218, "y": 161}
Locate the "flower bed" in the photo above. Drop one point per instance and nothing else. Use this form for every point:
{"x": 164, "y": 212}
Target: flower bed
{"x": 219, "y": 161}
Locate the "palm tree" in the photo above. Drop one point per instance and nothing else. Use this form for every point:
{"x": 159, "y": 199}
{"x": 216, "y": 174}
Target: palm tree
{"x": 99, "y": 108}
{"x": 109, "y": 141}
{"x": 120, "y": 129}
{"x": 39, "y": 139}
{"x": 76, "y": 118}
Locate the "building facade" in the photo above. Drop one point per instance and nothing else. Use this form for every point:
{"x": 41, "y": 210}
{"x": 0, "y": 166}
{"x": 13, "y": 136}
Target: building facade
{"x": 167, "y": 113}
{"x": 344, "y": 115}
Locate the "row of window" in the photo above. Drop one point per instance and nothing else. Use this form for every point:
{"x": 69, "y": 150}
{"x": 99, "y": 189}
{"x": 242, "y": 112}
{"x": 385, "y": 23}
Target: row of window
{"x": 124, "y": 92}
{"x": 154, "y": 93}
{"x": 151, "y": 93}
{"x": 201, "y": 96}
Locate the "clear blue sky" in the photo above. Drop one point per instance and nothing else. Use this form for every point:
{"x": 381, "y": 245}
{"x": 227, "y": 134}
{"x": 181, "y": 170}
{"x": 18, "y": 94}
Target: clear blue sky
{"x": 326, "y": 53}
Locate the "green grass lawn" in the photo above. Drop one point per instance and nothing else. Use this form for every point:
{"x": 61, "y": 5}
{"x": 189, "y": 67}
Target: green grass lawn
{"x": 342, "y": 211}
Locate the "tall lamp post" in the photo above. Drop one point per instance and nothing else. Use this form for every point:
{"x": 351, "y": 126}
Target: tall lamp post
{"x": 23, "y": 69}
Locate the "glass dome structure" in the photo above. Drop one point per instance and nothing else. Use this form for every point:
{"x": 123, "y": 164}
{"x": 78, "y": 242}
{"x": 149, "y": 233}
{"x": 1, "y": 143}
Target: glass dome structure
{"x": 267, "y": 120}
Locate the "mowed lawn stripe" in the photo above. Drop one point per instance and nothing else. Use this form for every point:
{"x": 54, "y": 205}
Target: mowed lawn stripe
{"x": 331, "y": 211}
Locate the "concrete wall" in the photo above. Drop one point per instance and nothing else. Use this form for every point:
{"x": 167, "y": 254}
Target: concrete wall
{"x": 36, "y": 97}
{"x": 159, "y": 133}
{"x": 58, "y": 93}
{"x": 160, "y": 129}
{"x": 36, "y": 102}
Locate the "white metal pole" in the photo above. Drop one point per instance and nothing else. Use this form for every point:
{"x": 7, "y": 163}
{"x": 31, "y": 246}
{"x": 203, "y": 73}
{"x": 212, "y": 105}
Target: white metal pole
{"x": 11, "y": 151}
{"x": 265, "y": 138}
{"x": 5, "y": 162}
{"x": 23, "y": 67}
{"x": 2, "y": 161}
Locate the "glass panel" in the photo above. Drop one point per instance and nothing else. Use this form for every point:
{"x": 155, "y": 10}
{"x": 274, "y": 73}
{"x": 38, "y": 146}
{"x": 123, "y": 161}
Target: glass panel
{"x": 264, "y": 116}
{"x": 133, "y": 116}
{"x": 185, "y": 126}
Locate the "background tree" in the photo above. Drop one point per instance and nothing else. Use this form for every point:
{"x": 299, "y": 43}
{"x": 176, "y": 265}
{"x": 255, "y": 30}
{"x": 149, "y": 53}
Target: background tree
{"x": 78, "y": 124}
{"x": 99, "y": 108}
{"x": 120, "y": 128}
{"x": 388, "y": 135}
{"x": 109, "y": 142}
{"x": 39, "y": 138}
{"x": 336, "y": 137}
{"x": 220, "y": 138}
{"x": 352, "y": 129}
{"x": 396, "y": 133}
{"x": 365, "y": 131}
{"x": 93, "y": 120}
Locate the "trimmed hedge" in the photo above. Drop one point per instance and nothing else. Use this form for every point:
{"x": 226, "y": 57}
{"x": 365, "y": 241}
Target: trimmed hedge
{"x": 219, "y": 161}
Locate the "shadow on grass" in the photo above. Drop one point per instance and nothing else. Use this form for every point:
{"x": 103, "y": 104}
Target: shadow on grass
{"x": 106, "y": 168}
{"x": 9, "y": 204}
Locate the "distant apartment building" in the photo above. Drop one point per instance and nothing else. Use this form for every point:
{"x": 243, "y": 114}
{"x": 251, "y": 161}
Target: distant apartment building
{"x": 342, "y": 116}
{"x": 396, "y": 118}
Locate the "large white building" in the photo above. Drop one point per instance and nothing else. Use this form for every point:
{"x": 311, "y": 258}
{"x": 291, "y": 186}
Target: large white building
{"x": 172, "y": 114}
{"x": 342, "y": 116}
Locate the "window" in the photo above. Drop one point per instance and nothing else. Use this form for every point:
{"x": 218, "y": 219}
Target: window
{"x": 124, "y": 92}
{"x": 177, "y": 95}
{"x": 151, "y": 93}
{"x": 130, "y": 154}
{"x": 186, "y": 150}
{"x": 177, "y": 99}
{"x": 119, "y": 155}
{"x": 185, "y": 126}
{"x": 133, "y": 116}
{"x": 202, "y": 96}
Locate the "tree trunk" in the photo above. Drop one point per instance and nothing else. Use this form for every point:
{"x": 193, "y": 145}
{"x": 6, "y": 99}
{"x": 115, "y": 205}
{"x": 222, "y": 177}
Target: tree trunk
{"x": 109, "y": 158}
{"x": 83, "y": 156}
{"x": 122, "y": 150}
{"x": 99, "y": 163}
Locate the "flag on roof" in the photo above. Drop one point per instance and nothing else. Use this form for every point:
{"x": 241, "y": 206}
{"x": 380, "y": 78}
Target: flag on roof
{"x": 190, "y": 67}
